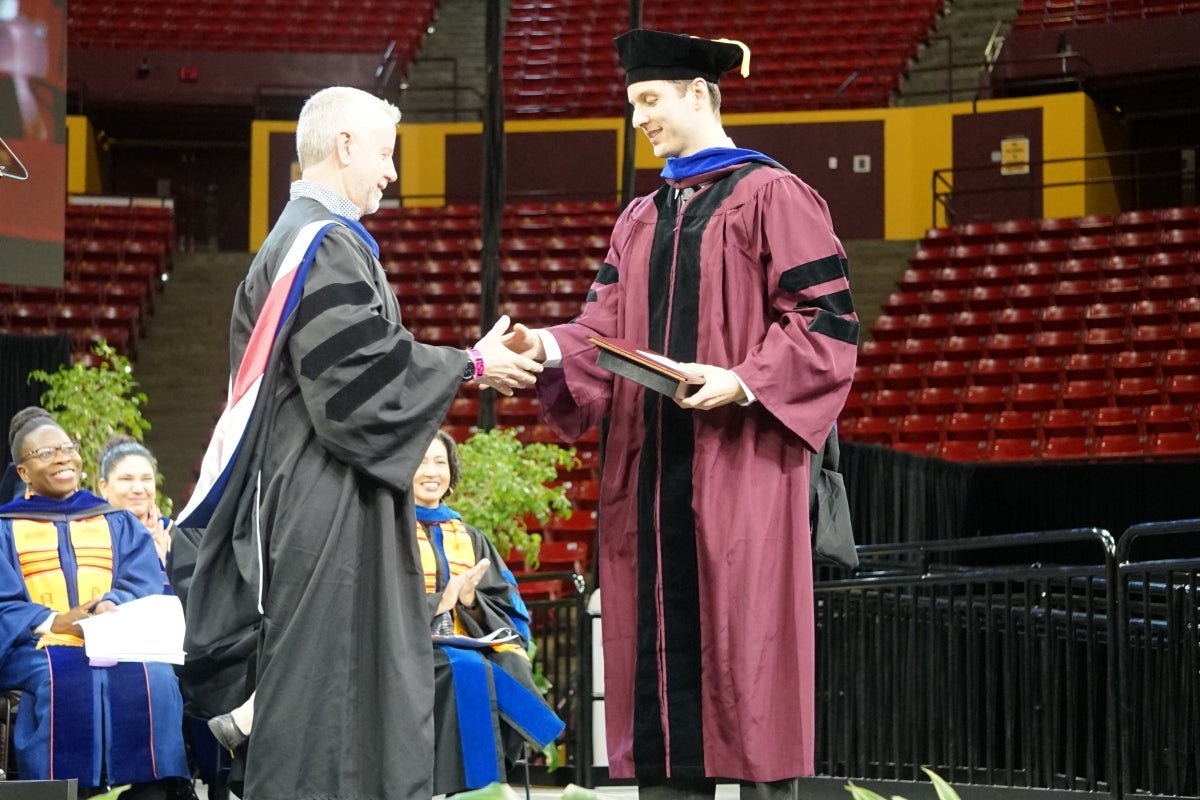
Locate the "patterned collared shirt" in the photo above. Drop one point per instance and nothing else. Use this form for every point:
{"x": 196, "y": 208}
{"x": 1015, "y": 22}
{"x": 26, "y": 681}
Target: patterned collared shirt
{"x": 326, "y": 197}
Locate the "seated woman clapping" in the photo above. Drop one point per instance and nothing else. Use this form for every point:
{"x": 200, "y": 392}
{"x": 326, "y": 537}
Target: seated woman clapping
{"x": 66, "y": 555}
{"x": 486, "y": 704}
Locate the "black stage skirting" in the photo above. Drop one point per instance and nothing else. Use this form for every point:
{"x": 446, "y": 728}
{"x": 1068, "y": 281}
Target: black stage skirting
{"x": 901, "y": 497}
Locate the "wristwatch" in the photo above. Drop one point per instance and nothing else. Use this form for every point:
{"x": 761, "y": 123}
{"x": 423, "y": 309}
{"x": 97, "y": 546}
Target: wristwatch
{"x": 473, "y": 371}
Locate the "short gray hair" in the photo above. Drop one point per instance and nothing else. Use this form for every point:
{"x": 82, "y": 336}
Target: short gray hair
{"x": 331, "y": 111}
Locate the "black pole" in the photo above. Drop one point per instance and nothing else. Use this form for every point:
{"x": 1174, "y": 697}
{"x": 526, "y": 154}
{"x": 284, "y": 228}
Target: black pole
{"x": 492, "y": 196}
{"x": 627, "y": 163}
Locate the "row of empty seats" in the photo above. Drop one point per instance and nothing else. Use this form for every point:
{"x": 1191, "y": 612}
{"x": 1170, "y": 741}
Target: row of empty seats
{"x": 838, "y": 57}
{"x": 299, "y": 26}
{"x": 1139, "y": 220}
{"x": 549, "y": 254}
{"x": 117, "y": 253}
{"x": 1011, "y": 318}
{"x": 1034, "y": 14}
{"x": 1179, "y": 445}
{"x": 1136, "y": 391}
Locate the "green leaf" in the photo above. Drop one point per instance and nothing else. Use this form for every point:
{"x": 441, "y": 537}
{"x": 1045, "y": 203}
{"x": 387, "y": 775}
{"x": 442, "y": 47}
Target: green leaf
{"x": 861, "y": 792}
{"x": 944, "y": 790}
{"x": 505, "y": 483}
{"x": 112, "y": 793}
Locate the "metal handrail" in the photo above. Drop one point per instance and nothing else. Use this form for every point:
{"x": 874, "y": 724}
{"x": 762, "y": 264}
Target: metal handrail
{"x": 942, "y": 180}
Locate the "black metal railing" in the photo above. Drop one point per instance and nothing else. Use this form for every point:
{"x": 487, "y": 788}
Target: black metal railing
{"x": 561, "y": 629}
{"x": 974, "y": 657}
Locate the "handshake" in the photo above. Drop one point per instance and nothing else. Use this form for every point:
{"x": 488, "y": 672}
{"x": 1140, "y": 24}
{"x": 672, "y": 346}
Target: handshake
{"x": 511, "y": 359}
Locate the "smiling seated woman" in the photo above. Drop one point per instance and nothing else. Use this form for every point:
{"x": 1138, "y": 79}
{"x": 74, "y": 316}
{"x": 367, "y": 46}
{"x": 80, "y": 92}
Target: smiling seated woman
{"x": 66, "y": 555}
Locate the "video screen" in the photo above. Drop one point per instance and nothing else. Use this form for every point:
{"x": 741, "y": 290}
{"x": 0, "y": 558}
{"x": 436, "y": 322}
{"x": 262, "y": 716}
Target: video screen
{"x": 33, "y": 153}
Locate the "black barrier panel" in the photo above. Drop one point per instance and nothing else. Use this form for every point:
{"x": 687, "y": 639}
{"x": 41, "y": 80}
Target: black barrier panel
{"x": 561, "y": 629}
{"x": 1160, "y": 659}
{"x": 967, "y": 656}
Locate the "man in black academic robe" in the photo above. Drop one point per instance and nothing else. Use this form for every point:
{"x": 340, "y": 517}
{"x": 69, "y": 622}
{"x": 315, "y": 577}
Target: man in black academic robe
{"x": 308, "y": 590}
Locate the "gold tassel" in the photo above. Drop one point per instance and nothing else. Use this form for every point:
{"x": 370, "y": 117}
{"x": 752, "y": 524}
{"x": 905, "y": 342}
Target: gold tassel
{"x": 745, "y": 54}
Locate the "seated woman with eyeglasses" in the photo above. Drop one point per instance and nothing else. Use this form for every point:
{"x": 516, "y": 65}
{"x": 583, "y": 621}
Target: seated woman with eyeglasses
{"x": 65, "y": 555}
{"x": 485, "y": 702}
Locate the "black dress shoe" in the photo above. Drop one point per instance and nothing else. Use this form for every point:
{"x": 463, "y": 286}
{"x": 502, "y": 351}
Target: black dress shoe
{"x": 226, "y": 732}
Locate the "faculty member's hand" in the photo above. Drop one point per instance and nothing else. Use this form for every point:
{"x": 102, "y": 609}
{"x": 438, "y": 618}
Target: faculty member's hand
{"x": 721, "y": 387}
{"x": 525, "y": 342}
{"x": 505, "y": 370}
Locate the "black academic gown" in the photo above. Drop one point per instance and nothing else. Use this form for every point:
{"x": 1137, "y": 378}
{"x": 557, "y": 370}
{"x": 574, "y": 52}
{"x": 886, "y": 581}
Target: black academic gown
{"x": 341, "y": 657}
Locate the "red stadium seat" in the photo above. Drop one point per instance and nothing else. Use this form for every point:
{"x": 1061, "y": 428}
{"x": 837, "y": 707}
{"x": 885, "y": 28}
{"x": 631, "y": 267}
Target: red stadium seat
{"x": 930, "y": 326}
{"x": 938, "y": 400}
{"x": 1087, "y": 366}
{"x": 1058, "y": 422}
{"x": 1009, "y": 345}
{"x": 869, "y": 430}
{"x": 1039, "y": 369}
{"x": 944, "y": 372}
{"x": 919, "y": 350}
{"x": 1018, "y": 230}
{"x": 1184, "y": 389}
{"x": 1134, "y": 364}
{"x": 1176, "y": 443}
{"x": 971, "y": 426}
{"x": 962, "y": 450}
{"x": 1106, "y": 315}
{"x": 1007, "y": 252}
{"x": 986, "y": 298}
{"x": 1115, "y": 420}
{"x": 920, "y": 428}
{"x": 1057, "y": 343}
{"x": 1104, "y": 340}
{"x": 891, "y": 327}
{"x": 1121, "y": 445}
{"x": 1066, "y": 447}
{"x": 1154, "y": 312}
{"x": 901, "y": 375}
{"x": 1041, "y": 396}
{"x": 1179, "y": 361}
{"x": 1165, "y": 418}
{"x": 1186, "y": 217}
{"x": 1085, "y": 394}
{"x": 985, "y": 399}
{"x": 1137, "y": 392}
{"x": 995, "y": 275}
{"x": 1168, "y": 286}
{"x": 1015, "y": 320}
{"x": 993, "y": 372}
{"x": 1014, "y": 450}
{"x": 1136, "y": 221}
{"x": 970, "y": 323}
{"x": 1060, "y": 318}
{"x": 1031, "y": 295}
{"x": 1154, "y": 337}
{"x": 1016, "y": 424}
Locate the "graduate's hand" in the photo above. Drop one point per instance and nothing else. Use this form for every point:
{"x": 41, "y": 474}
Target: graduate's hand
{"x": 525, "y": 342}
{"x": 461, "y": 587}
{"x": 721, "y": 387}
{"x": 68, "y": 621}
{"x": 504, "y": 369}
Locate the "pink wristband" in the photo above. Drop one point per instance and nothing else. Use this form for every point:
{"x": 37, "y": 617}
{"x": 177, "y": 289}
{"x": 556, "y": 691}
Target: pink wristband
{"x": 477, "y": 360}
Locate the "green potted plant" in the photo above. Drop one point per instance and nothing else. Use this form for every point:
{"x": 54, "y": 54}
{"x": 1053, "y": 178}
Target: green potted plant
{"x": 506, "y": 483}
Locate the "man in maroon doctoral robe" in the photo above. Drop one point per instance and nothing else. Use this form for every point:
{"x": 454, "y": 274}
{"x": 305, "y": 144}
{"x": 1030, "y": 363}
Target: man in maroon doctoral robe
{"x": 733, "y": 268}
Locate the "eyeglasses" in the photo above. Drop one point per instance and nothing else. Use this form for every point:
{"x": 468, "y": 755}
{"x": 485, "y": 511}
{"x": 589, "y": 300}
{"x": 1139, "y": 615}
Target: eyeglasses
{"x": 46, "y": 454}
